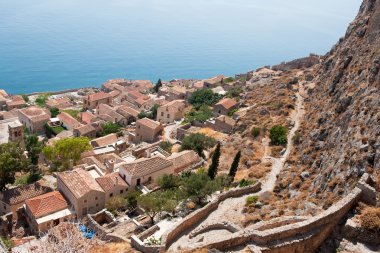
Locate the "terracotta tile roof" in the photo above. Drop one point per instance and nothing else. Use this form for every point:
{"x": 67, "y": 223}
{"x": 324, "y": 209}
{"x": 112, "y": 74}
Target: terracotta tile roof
{"x": 137, "y": 95}
{"x": 99, "y": 96}
{"x": 104, "y": 141}
{"x": 109, "y": 181}
{"x": 199, "y": 85}
{"x": 184, "y": 159}
{"x": 46, "y": 204}
{"x": 227, "y": 103}
{"x": 35, "y": 114}
{"x": 59, "y": 103}
{"x": 86, "y": 129}
{"x": 114, "y": 93}
{"x": 127, "y": 111}
{"x": 152, "y": 124}
{"x": 69, "y": 120}
{"x": 146, "y": 166}
{"x": 79, "y": 182}
{"x": 22, "y": 193}
{"x": 178, "y": 90}
{"x": 172, "y": 106}
{"x": 87, "y": 117}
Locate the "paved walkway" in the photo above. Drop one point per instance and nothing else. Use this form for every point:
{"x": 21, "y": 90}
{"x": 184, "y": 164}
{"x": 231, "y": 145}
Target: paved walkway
{"x": 231, "y": 209}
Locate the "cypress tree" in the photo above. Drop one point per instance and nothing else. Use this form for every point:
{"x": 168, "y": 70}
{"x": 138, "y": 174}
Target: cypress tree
{"x": 213, "y": 169}
{"x": 158, "y": 85}
{"x": 235, "y": 165}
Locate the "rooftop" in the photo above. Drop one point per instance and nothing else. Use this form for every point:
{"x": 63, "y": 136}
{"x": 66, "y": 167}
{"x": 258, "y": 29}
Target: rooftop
{"x": 79, "y": 182}
{"x": 109, "y": 181}
{"x": 99, "y": 96}
{"x": 104, "y": 141}
{"x": 69, "y": 120}
{"x": 46, "y": 204}
{"x": 149, "y": 123}
{"x": 20, "y": 194}
{"x": 227, "y": 103}
{"x": 35, "y": 113}
{"x": 146, "y": 166}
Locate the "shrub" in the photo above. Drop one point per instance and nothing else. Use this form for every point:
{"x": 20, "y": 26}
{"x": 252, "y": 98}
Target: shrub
{"x": 244, "y": 183}
{"x": 202, "y": 114}
{"x": 7, "y": 242}
{"x": 204, "y": 97}
{"x": 297, "y": 138}
{"x": 167, "y": 146}
{"x": 197, "y": 142}
{"x": 115, "y": 204}
{"x": 278, "y": 135}
{"x": 25, "y": 97}
{"x": 251, "y": 200}
{"x": 255, "y": 131}
{"x": 370, "y": 218}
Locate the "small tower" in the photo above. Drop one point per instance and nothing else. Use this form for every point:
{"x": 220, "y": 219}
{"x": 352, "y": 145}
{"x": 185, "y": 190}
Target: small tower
{"x": 16, "y": 131}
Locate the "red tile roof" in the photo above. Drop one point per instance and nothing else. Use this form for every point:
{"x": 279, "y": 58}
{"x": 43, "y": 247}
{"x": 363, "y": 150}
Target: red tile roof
{"x": 22, "y": 193}
{"x": 227, "y": 103}
{"x": 87, "y": 117}
{"x": 109, "y": 181}
{"x": 69, "y": 120}
{"x": 146, "y": 166}
{"x": 99, "y": 96}
{"x": 104, "y": 141}
{"x": 79, "y": 182}
{"x": 149, "y": 123}
{"x": 46, "y": 204}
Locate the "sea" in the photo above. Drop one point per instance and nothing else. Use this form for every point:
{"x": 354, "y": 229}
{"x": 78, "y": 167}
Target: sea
{"x": 55, "y": 45}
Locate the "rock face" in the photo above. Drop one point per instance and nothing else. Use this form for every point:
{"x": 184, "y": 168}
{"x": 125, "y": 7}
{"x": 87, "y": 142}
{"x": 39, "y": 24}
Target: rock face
{"x": 341, "y": 130}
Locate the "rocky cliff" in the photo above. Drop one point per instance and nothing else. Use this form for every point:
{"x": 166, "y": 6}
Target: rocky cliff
{"x": 340, "y": 135}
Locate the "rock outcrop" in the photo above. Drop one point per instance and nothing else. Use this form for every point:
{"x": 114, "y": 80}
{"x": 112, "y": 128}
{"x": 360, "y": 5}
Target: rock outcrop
{"x": 340, "y": 133}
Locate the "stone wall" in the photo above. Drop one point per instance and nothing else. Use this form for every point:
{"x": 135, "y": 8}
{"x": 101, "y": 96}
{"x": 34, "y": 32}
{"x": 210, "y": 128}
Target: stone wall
{"x": 302, "y": 235}
{"x": 195, "y": 217}
{"x": 138, "y": 241}
{"x": 219, "y": 225}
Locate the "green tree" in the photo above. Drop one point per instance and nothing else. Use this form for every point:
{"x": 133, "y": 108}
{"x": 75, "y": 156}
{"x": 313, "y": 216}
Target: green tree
{"x": 235, "y": 165}
{"x": 34, "y": 148}
{"x": 54, "y": 112}
{"x": 202, "y": 114}
{"x": 169, "y": 181}
{"x": 197, "y": 142}
{"x": 204, "y": 97}
{"x": 151, "y": 114}
{"x": 198, "y": 186}
{"x": 158, "y": 85}
{"x": 234, "y": 92}
{"x": 110, "y": 128}
{"x": 25, "y": 97}
{"x": 155, "y": 203}
{"x": 12, "y": 160}
{"x": 167, "y": 146}
{"x": 278, "y": 135}
{"x": 41, "y": 99}
{"x": 116, "y": 204}
{"x": 67, "y": 150}
{"x": 213, "y": 168}
{"x": 132, "y": 197}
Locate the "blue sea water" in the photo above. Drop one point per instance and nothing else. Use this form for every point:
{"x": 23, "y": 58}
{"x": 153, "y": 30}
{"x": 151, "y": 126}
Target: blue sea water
{"x": 50, "y": 45}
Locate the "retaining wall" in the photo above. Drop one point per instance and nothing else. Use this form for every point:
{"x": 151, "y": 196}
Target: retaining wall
{"x": 195, "y": 217}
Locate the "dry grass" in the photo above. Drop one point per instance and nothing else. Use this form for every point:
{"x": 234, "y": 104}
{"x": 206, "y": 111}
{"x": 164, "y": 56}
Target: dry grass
{"x": 114, "y": 248}
{"x": 370, "y": 218}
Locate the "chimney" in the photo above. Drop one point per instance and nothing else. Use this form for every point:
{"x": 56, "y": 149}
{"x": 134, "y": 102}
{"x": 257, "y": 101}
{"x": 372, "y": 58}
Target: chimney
{"x": 110, "y": 166}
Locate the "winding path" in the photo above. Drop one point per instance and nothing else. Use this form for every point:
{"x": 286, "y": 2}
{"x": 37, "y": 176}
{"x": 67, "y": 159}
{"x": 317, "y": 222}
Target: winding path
{"x": 230, "y": 209}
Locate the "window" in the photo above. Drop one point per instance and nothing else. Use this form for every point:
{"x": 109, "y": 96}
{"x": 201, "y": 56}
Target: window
{"x": 96, "y": 198}
{"x": 85, "y": 201}
{"x": 111, "y": 195}
{"x": 97, "y": 205}
{"x": 121, "y": 191}
{"x": 162, "y": 113}
{"x": 168, "y": 115}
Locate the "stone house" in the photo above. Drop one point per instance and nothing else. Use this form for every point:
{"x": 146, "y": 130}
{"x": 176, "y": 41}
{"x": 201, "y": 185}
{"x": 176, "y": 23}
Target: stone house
{"x": 46, "y": 211}
{"x": 224, "y": 124}
{"x": 60, "y": 103}
{"x": 113, "y": 185}
{"x": 85, "y": 131}
{"x": 15, "y": 131}
{"x": 213, "y": 82}
{"x": 176, "y": 93}
{"x": 68, "y": 121}
{"x": 136, "y": 98}
{"x": 224, "y": 106}
{"x": 93, "y": 100}
{"x": 104, "y": 140}
{"x": 13, "y": 199}
{"x": 130, "y": 114}
{"x": 17, "y": 102}
{"x": 34, "y": 118}
{"x": 111, "y": 114}
{"x": 171, "y": 112}
{"x": 87, "y": 117}
{"x": 147, "y": 130}
{"x": 145, "y": 170}
{"x": 82, "y": 191}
